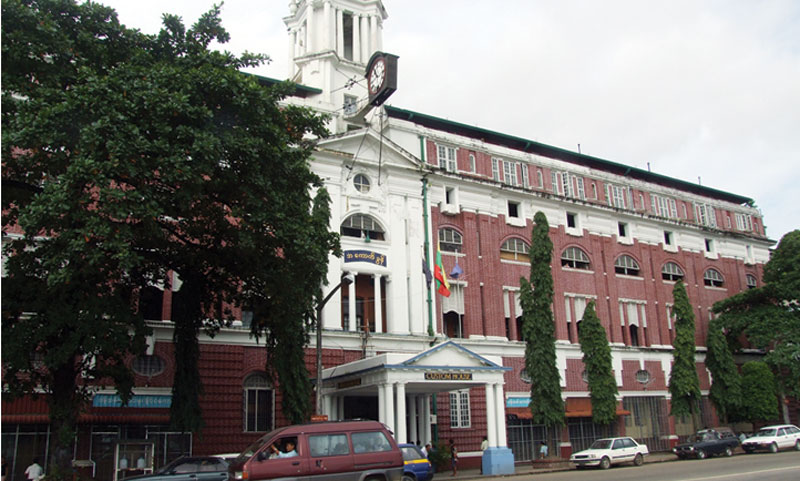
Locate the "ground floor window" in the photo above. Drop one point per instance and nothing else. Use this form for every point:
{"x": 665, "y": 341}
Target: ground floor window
{"x": 525, "y": 438}
{"x": 459, "y": 409}
{"x": 21, "y": 444}
{"x": 583, "y": 432}
{"x": 259, "y": 404}
{"x": 648, "y": 421}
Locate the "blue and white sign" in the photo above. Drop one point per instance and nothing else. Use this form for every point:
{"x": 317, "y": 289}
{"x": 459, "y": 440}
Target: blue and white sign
{"x": 136, "y": 401}
{"x": 518, "y": 402}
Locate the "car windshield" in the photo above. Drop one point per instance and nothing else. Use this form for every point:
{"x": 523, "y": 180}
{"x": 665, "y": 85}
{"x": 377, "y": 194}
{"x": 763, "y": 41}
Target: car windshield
{"x": 411, "y": 453}
{"x": 601, "y": 444}
{"x": 766, "y": 432}
{"x": 253, "y": 448}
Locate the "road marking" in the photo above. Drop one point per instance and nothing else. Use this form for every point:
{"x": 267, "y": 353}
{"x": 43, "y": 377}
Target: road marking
{"x": 728, "y": 476}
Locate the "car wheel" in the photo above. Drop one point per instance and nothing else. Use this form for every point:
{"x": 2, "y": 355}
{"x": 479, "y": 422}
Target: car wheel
{"x": 638, "y": 460}
{"x": 773, "y": 448}
{"x": 605, "y": 463}
{"x": 701, "y": 454}
{"x": 797, "y": 445}
{"x": 406, "y": 477}
{"x": 728, "y": 451}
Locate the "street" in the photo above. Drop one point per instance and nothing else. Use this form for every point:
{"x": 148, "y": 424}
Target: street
{"x": 765, "y": 467}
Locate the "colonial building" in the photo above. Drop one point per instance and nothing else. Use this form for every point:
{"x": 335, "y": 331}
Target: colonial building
{"x": 405, "y": 184}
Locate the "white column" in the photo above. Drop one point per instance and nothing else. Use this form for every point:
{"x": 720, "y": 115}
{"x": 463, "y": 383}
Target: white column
{"x": 365, "y": 52}
{"x": 339, "y": 33}
{"x": 292, "y": 42}
{"x": 356, "y": 40}
{"x": 400, "y": 425}
{"x": 327, "y": 406}
{"x": 382, "y": 403}
{"x": 379, "y": 35}
{"x": 340, "y": 408}
{"x": 413, "y": 434}
{"x": 500, "y": 409}
{"x": 327, "y": 44}
{"x": 378, "y": 306}
{"x": 310, "y": 28}
{"x": 391, "y": 326}
{"x": 351, "y": 305}
{"x": 491, "y": 416}
{"x": 426, "y": 418}
{"x": 388, "y": 398}
{"x": 373, "y": 34}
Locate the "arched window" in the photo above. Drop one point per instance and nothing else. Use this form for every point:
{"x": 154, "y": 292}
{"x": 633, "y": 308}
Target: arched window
{"x": 450, "y": 240}
{"x": 671, "y": 272}
{"x": 752, "y": 283}
{"x": 515, "y": 249}
{"x": 259, "y": 404}
{"x": 626, "y": 265}
{"x": 712, "y": 278}
{"x": 575, "y": 258}
{"x": 361, "y": 183}
{"x": 362, "y": 226}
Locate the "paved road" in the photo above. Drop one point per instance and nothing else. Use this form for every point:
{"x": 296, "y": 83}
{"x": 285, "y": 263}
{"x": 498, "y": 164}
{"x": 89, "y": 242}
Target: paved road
{"x": 783, "y": 466}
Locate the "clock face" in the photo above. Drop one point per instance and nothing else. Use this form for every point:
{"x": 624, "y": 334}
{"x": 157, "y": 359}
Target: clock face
{"x": 377, "y": 76}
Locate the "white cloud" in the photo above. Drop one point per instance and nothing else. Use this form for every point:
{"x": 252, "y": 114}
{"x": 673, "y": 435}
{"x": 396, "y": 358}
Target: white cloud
{"x": 697, "y": 89}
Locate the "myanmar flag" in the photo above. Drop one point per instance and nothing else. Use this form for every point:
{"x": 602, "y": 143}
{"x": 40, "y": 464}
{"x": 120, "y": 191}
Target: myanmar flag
{"x": 443, "y": 287}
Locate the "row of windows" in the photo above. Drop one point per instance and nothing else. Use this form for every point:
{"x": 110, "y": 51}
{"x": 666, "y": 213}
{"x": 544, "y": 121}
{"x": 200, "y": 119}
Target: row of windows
{"x": 573, "y": 186}
{"x": 516, "y": 249}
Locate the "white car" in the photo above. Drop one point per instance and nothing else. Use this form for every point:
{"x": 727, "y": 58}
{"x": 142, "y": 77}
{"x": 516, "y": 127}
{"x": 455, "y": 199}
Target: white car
{"x": 608, "y": 451}
{"x": 773, "y": 438}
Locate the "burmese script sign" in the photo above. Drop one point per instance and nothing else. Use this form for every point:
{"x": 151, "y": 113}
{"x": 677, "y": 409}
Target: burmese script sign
{"x": 448, "y": 376}
{"x": 365, "y": 256}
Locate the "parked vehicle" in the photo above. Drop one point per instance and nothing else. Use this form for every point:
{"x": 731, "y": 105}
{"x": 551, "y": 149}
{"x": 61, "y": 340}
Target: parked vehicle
{"x": 608, "y": 451}
{"x": 341, "y": 450}
{"x": 194, "y": 468}
{"x": 773, "y": 438}
{"x": 707, "y": 442}
{"x": 417, "y": 467}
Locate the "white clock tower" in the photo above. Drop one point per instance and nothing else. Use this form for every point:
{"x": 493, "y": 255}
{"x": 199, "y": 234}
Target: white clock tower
{"x": 330, "y": 43}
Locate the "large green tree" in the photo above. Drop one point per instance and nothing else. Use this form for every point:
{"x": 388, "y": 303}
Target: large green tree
{"x": 127, "y": 157}
{"x": 726, "y": 385}
{"x": 597, "y": 362}
{"x": 684, "y": 384}
{"x": 538, "y": 329}
{"x": 759, "y": 401}
{"x": 769, "y": 315}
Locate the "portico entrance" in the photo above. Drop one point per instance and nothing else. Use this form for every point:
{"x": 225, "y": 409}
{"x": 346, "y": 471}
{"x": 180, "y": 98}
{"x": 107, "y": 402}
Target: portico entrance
{"x": 401, "y": 385}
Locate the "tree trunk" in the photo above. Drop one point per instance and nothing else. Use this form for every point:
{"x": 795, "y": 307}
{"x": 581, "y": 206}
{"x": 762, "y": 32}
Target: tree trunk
{"x": 65, "y": 404}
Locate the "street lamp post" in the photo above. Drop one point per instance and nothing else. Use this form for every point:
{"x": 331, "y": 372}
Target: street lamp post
{"x": 346, "y": 280}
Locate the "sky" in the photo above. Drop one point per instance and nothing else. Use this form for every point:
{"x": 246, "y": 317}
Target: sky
{"x": 699, "y": 90}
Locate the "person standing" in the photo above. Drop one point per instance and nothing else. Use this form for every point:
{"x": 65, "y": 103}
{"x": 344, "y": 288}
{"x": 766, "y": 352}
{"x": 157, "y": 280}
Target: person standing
{"x": 34, "y": 472}
{"x": 543, "y": 450}
{"x": 453, "y": 457}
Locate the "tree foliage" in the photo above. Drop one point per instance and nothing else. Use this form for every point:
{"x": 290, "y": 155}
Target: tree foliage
{"x": 759, "y": 401}
{"x": 684, "y": 384}
{"x": 536, "y": 298}
{"x": 597, "y": 362}
{"x": 726, "y": 386}
{"x": 769, "y": 316}
{"x": 126, "y": 158}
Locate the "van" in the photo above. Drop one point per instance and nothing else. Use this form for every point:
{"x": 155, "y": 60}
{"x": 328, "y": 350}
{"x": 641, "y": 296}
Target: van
{"x": 340, "y": 450}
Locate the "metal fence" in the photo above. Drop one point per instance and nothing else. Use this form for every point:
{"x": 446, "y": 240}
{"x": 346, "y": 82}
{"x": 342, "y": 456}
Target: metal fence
{"x": 648, "y": 422}
{"x": 525, "y": 438}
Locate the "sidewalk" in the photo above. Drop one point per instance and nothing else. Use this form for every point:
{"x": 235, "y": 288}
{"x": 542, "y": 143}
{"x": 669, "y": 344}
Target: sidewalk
{"x": 526, "y": 469}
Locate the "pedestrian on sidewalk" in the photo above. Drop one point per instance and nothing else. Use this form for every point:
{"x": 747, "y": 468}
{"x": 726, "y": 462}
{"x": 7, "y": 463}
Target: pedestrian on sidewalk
{"x": 453, "y": 457}
{"x": 484, "y": 446}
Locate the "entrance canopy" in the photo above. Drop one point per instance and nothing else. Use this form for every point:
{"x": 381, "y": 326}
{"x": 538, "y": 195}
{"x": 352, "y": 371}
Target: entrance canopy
{"x": 444, "y": 367}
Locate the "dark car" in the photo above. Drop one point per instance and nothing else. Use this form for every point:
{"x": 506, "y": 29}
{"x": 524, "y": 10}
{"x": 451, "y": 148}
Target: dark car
{"x": 707, "y": 442}
{"x": 417, "y": 465}
{"x": 191, "y": 468}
